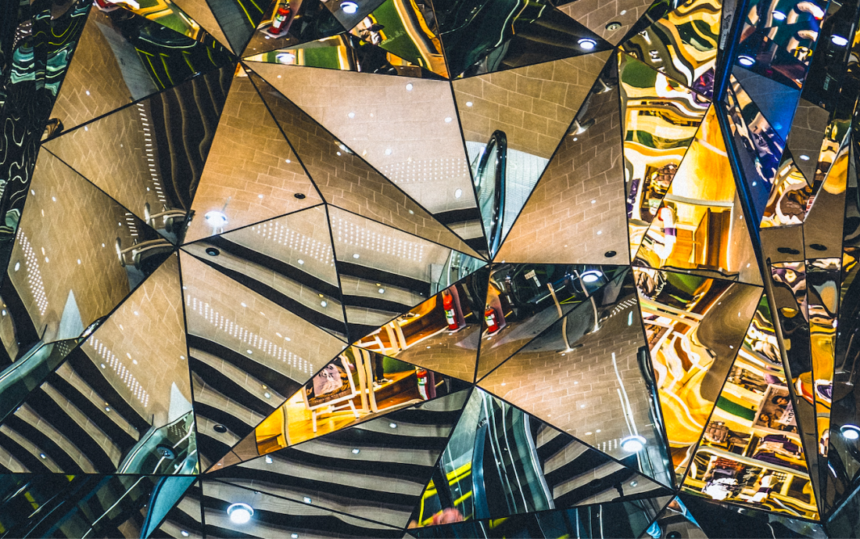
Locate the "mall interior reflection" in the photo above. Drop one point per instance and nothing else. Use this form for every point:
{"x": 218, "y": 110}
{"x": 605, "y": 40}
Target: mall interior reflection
{"x": 430, "y": 269}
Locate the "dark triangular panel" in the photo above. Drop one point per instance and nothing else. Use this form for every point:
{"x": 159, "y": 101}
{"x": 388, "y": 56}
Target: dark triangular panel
{"x": 353, "y": 388}
{"x": 381, "y": 470}
{"x": 845, "y": 521}
{"x": 346, "y": 180}
{"x": 112, "y": 66}
{"x": 805, "y": 137}
{"x": 699, "y": 226}
{"x": 184, "y": 519}
{"x": 202, "y": 14}
{"x": 777, "y": 102}
{"x": 576, "y": 211}
{"x": 46, "y": 505}
{"x": 616, "y": 413}
{"x": 757, "y": 144}
{"x": 239, "y": 18}
{"x": 610, "y": 20}
{"x": 385, "y": 272}
{"x": 252, "y": 173}
{"x": 695, "y": 327}
{"x": 275, "y": 517}
{"x": 149, "y": 156}
{"x": 523, "y": 300}
{"x": 404, "y": 127}
{"x": 493, "y": 442}
{"x": 724, "y": 520}
{"x": 288, "y": 25}
{"x": 751, "y": 446}
{"x": 675, "y": 521}
{"x": 506, "y": 36}
{"x": 344, "y": 52}
{"x": 407, "y": 30}
{"x": 660, "y": 120}
{"x": 620, "y": 519}
{"x": 288, "y": 260}
{"x": 77, "y": 254}
{"x": 688, "y": 37}
{"x": 442, "y": 333}
{"x": 122, "y": 401}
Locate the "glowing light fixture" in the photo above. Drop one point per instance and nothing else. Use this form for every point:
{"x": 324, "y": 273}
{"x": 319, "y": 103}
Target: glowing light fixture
{"x": 240, "y": 513}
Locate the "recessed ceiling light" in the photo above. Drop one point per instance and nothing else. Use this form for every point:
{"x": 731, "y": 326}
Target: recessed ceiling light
{"x": 216, "y": 219}
{"x": 633, "y": 444}
{"x": 240, "y": 513}
{"x": 349, "y": 7}
{"x": 587, "y": 44}
{"x": 778, "y": 16}
{"x": 850, "y": 432}
{"x": 839, "y": 41}
{"x": 746, "y": 61}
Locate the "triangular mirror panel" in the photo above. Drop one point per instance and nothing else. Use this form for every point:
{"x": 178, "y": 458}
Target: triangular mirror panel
{"x": 150, "y": 156}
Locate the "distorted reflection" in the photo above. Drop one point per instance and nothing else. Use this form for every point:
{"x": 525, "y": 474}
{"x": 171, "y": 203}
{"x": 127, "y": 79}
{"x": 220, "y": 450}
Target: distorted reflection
{"x": 661, "y": 118}
{"x": 525, "y": 299}
{"x": 354, "y": 387}
{"x": 441, "y": 333}
{"x": 751, "y": 452}
{"x": 695, "y": 327}
{"x": 682, "y": 44}
{"x": 493, "y": 35}
{"x": 500, "y": 462}
{"x": 758, "y": 144}
{"x": 285, "y": 24}
{"x": 699, "y": 225}
{"x": 778, "y": 38}
{"x": 408, "y": 441}
{"x": 789, "y": 198}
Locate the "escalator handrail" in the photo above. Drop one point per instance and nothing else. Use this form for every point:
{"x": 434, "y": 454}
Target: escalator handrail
{"x": 499, "y": 139}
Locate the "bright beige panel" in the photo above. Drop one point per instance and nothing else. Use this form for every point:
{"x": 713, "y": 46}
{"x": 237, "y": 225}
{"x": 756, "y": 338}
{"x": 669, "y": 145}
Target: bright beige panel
{"x": 576, "y": 213}
{"x": 533, "y": 105}
{"x": 251, "y": 173}
{"x": 140, "y": 368}
{"x": 405, "y": 128}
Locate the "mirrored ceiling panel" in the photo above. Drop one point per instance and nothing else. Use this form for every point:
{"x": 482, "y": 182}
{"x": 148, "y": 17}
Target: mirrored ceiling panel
{"x": 695, "y": 327}
{"x": 77, "y": 254}
{"x": 289, "y": 260}
{"x": 523, "y": 300}
{"x": 252, "y": 173}
{"x": 346, "y": 180}
{"x": 779, "y": 38}
{"x": 501, "y": 462}
{"x": 553, "y": 378}
{"x": 385, "y": 272}
{"x": 751, "y": 453}
{"x": 610, "y": 20}
{"x": 404, "y": 127}
{"x": 122, "y": 402}
{"x": 442, "y": 333}
{"x": 575, "y": 211}
{"x": 700, "y": 225}
{"x": 112, "y": 66}
{"x": 661, "y": 118}
{"x": 243, "y": 327}
{"x": 494, "y": 35}
{"x": 345, "y": 52}
{"x": 286, "y": 25}
{"x": 150, "y": 156}
{"x": 408, "y": 451}
{"x": 682, "y": 44}
{"x": 276, "y": 517}
{"x": 203, "y": 16}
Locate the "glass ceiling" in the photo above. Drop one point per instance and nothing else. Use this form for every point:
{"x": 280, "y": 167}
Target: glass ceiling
{"x": 429, "y": 268}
